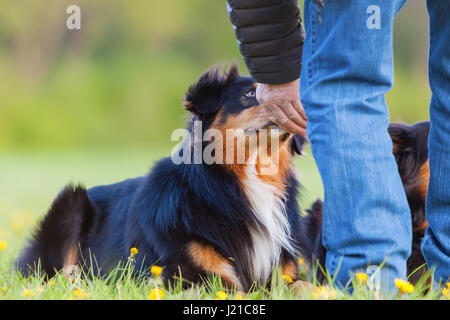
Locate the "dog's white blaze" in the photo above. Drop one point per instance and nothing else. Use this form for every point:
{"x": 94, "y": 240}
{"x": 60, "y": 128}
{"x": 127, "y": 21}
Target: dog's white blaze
{"x": 267, "y": 204}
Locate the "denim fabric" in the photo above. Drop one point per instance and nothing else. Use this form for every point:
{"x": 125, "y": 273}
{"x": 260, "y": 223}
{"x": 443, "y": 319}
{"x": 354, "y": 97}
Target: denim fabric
{"x": 347, "y": 70}
{"x": 436, "y": 243}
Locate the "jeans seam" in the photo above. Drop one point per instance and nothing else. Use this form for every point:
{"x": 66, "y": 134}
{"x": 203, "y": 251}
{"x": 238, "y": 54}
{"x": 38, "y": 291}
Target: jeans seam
{"x": 332, "y": 263}
{"x": 313, "y": 48}
{"x": 423, "y": 243}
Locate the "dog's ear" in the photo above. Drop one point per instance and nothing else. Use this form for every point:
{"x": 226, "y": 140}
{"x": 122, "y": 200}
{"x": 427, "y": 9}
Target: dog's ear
{"x": 204, "y": 96}
{"x": 296, "y": 144}
{"x": 408, "y": 152}
{"x": 421, "y": 132}
{"x": 401, "y": 136}
{"x": 404, "y": 148}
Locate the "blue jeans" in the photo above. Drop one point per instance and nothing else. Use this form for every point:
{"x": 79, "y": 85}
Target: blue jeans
{"x": 436, "y": 243}
{"x": 347, "y": 70}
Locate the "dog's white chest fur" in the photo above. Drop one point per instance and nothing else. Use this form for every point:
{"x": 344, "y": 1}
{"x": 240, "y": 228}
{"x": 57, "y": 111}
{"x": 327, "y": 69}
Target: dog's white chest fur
{"x": 268, "y": 206}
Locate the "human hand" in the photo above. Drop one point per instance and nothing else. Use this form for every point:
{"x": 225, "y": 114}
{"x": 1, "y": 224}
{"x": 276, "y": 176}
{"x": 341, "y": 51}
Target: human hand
{"x": 282, "y": 103}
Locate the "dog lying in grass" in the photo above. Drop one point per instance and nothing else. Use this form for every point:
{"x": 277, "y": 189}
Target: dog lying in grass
{"x": 236, "y": 219}
{"x": 192, "y": 218}
{"x": 410, "y": 148}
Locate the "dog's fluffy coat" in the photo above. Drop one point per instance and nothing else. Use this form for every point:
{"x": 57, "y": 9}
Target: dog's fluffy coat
{"x": 198, "y": 219}
{"x": 193, "y": 219}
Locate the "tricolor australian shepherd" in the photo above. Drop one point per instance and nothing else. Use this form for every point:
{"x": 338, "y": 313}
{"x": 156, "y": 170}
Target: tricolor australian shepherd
{"x": 192, "y": 219}
{"x": 197, "y": 218}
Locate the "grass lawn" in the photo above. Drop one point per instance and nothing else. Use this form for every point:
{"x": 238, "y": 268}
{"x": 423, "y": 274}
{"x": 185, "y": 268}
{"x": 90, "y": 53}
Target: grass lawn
{"x": 29, "y": 182}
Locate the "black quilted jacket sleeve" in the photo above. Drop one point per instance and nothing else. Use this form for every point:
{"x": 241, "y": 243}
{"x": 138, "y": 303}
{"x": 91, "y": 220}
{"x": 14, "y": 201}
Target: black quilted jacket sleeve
{"x": 270, "y": 38}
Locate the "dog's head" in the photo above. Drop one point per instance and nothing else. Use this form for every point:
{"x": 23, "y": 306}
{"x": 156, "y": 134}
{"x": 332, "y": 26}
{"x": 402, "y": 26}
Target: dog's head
{"x": 226, "y": 102}
{"x": 410, "y": 148}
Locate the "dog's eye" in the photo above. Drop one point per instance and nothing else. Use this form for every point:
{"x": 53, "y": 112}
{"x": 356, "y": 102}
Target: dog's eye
{"x": 251, "y": 94}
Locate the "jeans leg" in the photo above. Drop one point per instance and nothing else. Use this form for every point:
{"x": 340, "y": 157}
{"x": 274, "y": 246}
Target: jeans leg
{"x": 436, "y": 243}
{"x": 347, "y": 69}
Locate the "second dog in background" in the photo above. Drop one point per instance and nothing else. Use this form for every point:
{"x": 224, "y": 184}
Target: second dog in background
{"x": 410, "y": 149}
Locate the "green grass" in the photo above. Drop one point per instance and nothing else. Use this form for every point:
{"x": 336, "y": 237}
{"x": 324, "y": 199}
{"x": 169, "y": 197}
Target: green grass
{"x": 30, "y": 181}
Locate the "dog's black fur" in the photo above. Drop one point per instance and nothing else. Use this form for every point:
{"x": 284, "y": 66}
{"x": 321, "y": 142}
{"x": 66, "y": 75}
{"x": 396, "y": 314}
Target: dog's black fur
{"x": 71, "y": 219}
{"x": 410, "y": 149}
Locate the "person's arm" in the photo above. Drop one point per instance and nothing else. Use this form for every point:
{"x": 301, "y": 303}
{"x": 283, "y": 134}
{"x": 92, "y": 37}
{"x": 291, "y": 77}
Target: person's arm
{"x": 270, "y": 38}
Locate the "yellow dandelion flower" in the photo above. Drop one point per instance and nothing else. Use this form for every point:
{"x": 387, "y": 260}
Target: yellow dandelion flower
{"x": 4, "y": 289}
{"x": 404, "y": 286}
{"x": 156, "y": 294}
{"x": 77, "y": 292}
{"x": 446, "y": 292}
{"x": 220, "y": 295}
{"x": 80, "y": 293}
{"x": 134, "y": 251}
{"x": 156, "y": 270}
{"x": 287, "y": 278}
{"x": 3, "y": 245}
{"x": 361, "y": 277}
{"x": 238, "y": 296}
{"x": 51, "y": 283}
{"x": 27, "y": 293}
{"x": 301, "y": 261}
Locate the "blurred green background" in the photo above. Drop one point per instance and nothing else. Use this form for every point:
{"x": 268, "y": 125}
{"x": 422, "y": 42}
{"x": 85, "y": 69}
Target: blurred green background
{"x": 118, "y": 82}
{"x": 99, "y": 104}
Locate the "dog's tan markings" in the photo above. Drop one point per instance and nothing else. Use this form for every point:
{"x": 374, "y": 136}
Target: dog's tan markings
{"x": 395, "y": 145}
{"x": 250, "y": 117}
{"x": 423, "y": 226}
{"x": 290, "y": 269}
{"x": 424, "y": 178}
{"x": 283, "y": 160}
{"x": 71, "y": 256}
{"x": 71, "y": 260}
{"x": 205, "y": 257}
